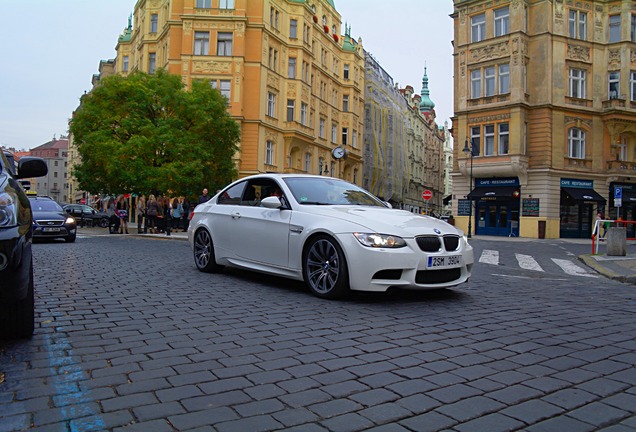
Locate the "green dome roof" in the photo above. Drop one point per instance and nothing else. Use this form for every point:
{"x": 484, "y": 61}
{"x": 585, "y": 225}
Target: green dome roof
{"x": 426, "y": 104}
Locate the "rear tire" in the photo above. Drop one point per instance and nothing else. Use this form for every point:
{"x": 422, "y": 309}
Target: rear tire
{"x": 204, "y": 257}
{"x": 19, "y": 318}
{"x": 325, "y": 269}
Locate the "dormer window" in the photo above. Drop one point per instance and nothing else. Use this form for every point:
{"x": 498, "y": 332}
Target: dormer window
{"x": 324, "y": 20}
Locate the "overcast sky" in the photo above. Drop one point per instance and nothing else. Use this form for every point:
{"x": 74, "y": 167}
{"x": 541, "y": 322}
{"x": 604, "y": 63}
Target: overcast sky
{"x": 51, "y": 48}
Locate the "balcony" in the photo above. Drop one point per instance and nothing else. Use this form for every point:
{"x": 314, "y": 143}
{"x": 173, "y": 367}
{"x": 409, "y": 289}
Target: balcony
{"x": 584, "y": 164}
{"x": 621, "y": 167}
{"x": 615, "y": 104}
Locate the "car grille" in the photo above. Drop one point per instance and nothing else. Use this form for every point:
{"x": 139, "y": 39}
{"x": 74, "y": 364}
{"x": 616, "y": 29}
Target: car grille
{"x": 433, "y": 243}
{"x": 49, "y": 223}
{"x": 429, "y": 277}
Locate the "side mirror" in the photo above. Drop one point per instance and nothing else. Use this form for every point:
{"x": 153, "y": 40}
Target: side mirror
{"x": 30, "y": 166}
{"x": 271, "y": 202}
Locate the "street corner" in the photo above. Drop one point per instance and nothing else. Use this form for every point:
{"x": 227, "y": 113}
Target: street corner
{"x": 608, "y": 268}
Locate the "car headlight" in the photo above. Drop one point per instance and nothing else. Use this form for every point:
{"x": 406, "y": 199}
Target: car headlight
{"x": 380, "y": 240}
{"x": 69, "y": 220}
{"x": 8, "y": 214}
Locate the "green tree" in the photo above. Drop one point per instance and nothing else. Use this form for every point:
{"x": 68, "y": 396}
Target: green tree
{"x": 146, "y": 133}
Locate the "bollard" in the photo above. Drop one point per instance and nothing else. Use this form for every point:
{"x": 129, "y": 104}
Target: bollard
{"x": 616, "y": 241}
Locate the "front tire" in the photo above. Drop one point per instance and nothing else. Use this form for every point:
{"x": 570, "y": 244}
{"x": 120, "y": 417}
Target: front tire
{"x": 204, "y": 257}
{"x": 19, "y": 318}
{"x": 325, "y": 268}
{"x": 104, "y": 222}
{"x": 70, "y": 238}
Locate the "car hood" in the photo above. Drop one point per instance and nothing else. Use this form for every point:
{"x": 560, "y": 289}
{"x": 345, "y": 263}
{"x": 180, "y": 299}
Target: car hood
{"x": 45, "y": 215}
{"x": 387, "y": 221}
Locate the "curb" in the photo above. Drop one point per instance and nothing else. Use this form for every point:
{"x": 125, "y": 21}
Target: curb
{"x": 594, "y": 265}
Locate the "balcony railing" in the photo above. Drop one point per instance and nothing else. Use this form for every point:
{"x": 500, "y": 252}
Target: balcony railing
{"x": 621, "y": 167}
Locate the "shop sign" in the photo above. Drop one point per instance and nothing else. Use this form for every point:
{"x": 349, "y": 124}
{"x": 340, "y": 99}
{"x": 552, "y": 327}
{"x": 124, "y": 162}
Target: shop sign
{"x": 510, "y": 181}
{"x": 577, "y": 183}
{"x": 463, "y": 207}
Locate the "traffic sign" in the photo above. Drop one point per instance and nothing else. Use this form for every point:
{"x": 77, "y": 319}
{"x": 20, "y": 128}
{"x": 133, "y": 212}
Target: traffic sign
{"x": 618, "y": 192}
{"x": 427, "y": 194}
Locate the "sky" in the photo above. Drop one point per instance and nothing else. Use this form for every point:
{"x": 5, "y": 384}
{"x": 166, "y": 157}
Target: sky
{"x": 51, "y": 49}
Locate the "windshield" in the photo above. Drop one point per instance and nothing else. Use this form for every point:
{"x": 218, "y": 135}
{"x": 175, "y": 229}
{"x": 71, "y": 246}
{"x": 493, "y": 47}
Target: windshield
{"x": 329, "y": 191}
{"x": 45, "y": 205}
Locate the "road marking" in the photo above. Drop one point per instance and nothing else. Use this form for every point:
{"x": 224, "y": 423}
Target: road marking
{"x": 570, "y": 268}
{"x": 489, "y": 257}
{"x": 527, "y": 262}
{"x": 527, "y": 277}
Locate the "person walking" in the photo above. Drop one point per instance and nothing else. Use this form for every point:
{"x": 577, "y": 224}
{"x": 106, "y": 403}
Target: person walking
{"x": 122, "y": 214}
{"x": 204, "y": 197}
{"x": 177, "y": 211}
{"x": 152, "y": 210}
{"x": 185, "y": 217}
{"x": 167, "y": 214}
{"x": 113, "y": 220}
{"x": 161, "y": 220}
{"x": 141, "y": 213}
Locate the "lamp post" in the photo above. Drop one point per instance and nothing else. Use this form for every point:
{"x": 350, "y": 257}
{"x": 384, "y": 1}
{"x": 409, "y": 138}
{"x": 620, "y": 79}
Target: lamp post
{"x": 469, "y": 151}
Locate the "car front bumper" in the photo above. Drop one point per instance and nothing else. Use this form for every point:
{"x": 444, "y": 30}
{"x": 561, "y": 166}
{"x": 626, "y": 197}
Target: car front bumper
{"x": 15, "y": 259}
{"x": 63, "y": 231}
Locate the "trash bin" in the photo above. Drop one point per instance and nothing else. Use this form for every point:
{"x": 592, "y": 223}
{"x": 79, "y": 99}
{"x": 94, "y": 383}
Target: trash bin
{"x": 541, "y": 229}
{"x": 616, "y": 241}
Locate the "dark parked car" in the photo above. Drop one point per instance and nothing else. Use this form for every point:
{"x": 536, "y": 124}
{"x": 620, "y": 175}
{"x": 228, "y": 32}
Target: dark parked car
{"x": 17, "y": 316}
{"x": 50, "y": 221}
{"x": 85, "y": 214}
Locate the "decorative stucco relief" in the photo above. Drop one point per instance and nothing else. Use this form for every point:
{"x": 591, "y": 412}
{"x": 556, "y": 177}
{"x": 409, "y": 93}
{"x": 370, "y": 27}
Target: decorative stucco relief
{"x": 558, "y": 15}
{"x": 187, "y": 27}
{"x": 497, "y": 50}
{"x": 632, "y": 55}
{"x": 272, "y": 81}
{"x": 488, "y": 118}
{"x": 211, "y": 66}
{"x": 614, "y": 59}
{"x": 305, "y": 93}
{"x": 578, "y": 52}
{"x": 569, "y": 120}
{"x": 240, "y": 29}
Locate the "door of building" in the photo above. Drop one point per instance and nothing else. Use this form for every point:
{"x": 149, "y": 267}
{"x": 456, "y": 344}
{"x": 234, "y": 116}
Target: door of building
{"x": 576, "y": 221}
{"x": 498, "y": 218}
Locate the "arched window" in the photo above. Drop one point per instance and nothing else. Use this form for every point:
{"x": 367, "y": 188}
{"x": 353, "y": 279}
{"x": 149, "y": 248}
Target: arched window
{"x": 324, "y": 20}
{"x": 576, "y": 143}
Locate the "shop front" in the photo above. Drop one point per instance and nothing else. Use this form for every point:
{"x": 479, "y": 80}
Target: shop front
{"x": 497, "y": 206}
{"x": 579, "y": 202}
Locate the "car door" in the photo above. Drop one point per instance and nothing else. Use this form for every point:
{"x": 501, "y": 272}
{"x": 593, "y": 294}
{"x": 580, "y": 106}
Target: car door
{"x": 221, "y": 222}
{"x": 262, "y": 233}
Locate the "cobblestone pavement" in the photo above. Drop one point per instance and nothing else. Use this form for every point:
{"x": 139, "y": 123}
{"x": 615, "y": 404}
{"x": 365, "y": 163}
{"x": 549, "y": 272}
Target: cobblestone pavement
{"x": 130, "y": 336}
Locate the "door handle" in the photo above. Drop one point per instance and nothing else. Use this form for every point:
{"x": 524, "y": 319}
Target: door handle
{"x": 236, "y": 215}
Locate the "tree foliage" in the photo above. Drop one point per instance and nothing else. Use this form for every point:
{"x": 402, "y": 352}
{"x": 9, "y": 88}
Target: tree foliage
{"x": 146, "y": 133}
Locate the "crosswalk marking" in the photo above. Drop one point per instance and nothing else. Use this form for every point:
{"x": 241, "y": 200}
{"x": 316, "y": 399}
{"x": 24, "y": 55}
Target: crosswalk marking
{"x": 489, "y": 257}
{"x": 527, "y": 262}
{"x": 570, "y": 268}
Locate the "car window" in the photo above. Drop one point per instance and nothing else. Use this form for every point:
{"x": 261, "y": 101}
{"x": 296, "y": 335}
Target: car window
{"x": 232, "y": 195}
{"x": 260, "y": 188}
{"x": 327, "y": 191}
{"x": 45, "y": 205}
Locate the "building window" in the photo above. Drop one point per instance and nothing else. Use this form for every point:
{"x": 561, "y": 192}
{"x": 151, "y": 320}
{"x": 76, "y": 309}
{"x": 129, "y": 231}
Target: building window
{"x": 345, "y": 103}
{"x": 204, "y": 4}
{"x": 614, "y": 28}
{"x": 273, "y": 59}
{"x": 224, "y": 44}
{"x": 126, "y": 65}
{"x": 291, "y": 69}
{"x": 489, "y": 140}
{"x": 503, "y": 139}
{"x": 478, "y": 27}
{"x": 290, "y": 109}
{"x": 475, "y": 83}
{"x": 577, "y": 83}
{"x": 324, "y": 20}
{"x": 321, "y": 131}
{"x": 152, "y": 62}
{"x": 154, "y": 23}
{"x": 354, "y": 139}
{"x": 345, "y": 136}
{"x": 475, "y": 140}
{"x": 306, "y": 72}
{"x": 271, "y": 104}
{"x": 489, "y": 81}
{"x": 303, "y": 114}
{"x": 225, "y": 88}
{"x": 355, "y": 175}
{"x": 614, "y": 84}
{"x": 201, "y": 43}
{"x": 576, "y": 143}
{"x": 633, "y": 29}
{"x": 345, "y": 72}
{"x": 621, "y": 149}
{"x": 293, "y": 28}
{"x": 334, "y": 133}
{"x": 577, "y": 24}
{"x": 632, "y": 85}
{"x": 502, "y": 21}
{"x": 269, "y": 153}
{"x": 307, "y": 162}
{"x": 504, "y": 78}
{"x": 226, "y": 4}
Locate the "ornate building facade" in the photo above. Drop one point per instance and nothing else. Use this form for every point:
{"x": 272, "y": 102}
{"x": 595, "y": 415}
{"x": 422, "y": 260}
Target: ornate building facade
{"x": 291, "y": 79}
{"x": 545, "y": 115}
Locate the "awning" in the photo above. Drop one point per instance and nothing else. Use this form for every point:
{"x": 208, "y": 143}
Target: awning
{"x": 447, "y": 199}
{"x": 580, "y": 194}
{"x": 493, "y": 193}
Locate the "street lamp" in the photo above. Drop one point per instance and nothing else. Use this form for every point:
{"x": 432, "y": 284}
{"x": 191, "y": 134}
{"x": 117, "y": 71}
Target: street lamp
{"x": 469, "y": 151}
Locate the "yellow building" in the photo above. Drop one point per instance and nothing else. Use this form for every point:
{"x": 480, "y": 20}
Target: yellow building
{"x": 545, "y": 95}
{"x": 292, "y": 80}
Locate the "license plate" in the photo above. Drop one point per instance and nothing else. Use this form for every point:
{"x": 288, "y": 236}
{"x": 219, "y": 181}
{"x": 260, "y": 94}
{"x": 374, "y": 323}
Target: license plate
{"x": 50, "y": 230}
{"x": 444, "y": 261}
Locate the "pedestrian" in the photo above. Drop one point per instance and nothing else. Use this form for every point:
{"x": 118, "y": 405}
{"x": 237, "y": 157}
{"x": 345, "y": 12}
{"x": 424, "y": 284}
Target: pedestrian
{"x": 122, "y": 214}
{"x": 113, "y": 220}
{"x": 177, "y": 211}
{"x": 160, "y": 216}
{"x": 141, "y": 213}
{"x": 205, "y": 197}
{"x": 152, "y": 210}
{"x": 167, "y": 214}
{"x": 185, "y": 217}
